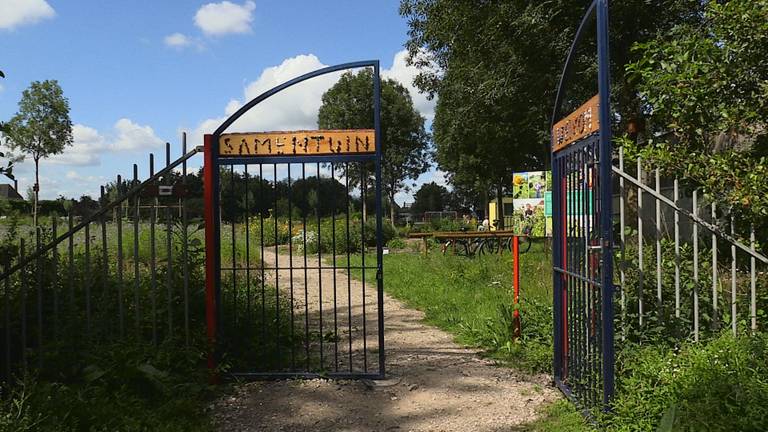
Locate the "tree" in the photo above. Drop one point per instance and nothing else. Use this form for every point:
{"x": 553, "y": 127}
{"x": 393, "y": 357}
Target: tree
{"x": 706, "y": 88}
{"x": 405, "y": 142}
{"x": 41, "y": 128}
{"x": 430, "y": 197}
{"x": 6, "y": 170}
{"x": 494, "y": 67}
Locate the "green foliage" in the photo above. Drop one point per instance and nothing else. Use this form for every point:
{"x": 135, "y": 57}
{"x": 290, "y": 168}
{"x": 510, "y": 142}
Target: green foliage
{"x": 719, "y": 386}
{"x": 707, "y": 85}
{"x": 743, "y": 173}
{"x": 494, "y": 68}
{"x": 396, "y": 243}
{"x": 405, "y": 142}
{"x": 124, "y": 387}
{"x": 711, "y": 78}
{"x": 271, "y": 230}
{"x": 560, "y": 416}
{"x": 42, "y": 126}
{"x": 430, "y": 197}
{"x": 326, "y": 243}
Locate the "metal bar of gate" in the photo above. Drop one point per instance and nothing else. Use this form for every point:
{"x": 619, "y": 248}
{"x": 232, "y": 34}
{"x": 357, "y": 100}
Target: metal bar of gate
{"x": 606, "y": 199}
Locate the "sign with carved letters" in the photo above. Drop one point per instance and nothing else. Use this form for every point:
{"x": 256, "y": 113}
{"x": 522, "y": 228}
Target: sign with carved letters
{"x": 579, "y": 124}
{"x": 298, "y": 143}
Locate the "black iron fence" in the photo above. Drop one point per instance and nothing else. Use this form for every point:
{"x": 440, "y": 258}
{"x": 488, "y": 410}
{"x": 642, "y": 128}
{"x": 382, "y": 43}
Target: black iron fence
{"x": 131, "y": 271}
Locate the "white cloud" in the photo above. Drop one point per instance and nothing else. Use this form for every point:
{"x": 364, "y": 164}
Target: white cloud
{"x": 15, "y": 13}
{"x": 1, "y": 88}
{"x": 404, "y": 74}
{"x": 132, "y": 137}
{"x": 292, "y": 109}
{"x": 177, "y": 40}
{"x": 216, "y": 19}
{"x": 88, "y": 144}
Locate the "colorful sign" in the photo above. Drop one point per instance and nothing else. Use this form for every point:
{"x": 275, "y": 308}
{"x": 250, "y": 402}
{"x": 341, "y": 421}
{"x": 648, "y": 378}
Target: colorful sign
{"x": 579, "y": 124}
{"x": 531, "y": 185}
{"x": 304, "y": 143}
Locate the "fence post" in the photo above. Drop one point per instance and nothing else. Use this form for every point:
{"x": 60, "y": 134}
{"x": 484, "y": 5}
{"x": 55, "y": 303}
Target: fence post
{"x": 209, "y": 191}
{"x": 516, "y": 284}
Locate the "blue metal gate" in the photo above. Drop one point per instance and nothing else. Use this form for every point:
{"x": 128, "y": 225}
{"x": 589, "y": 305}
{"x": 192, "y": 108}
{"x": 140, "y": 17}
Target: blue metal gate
{"x": 583, "y": 245}
{"x": 281, "y": 302}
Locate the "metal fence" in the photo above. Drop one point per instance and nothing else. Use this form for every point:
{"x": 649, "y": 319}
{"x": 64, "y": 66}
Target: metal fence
{"x": 124, "y": 273}
{"x": 288, "y": 304}
{"x": 686, "y": 268}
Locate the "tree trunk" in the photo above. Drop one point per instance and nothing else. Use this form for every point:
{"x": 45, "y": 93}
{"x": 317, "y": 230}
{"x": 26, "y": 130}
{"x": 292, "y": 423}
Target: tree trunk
{"x": 499, "y": 206}
{"x": 37, "y": 191}
{"x": 392, "y": 207}
{"x": 363, "y": 187}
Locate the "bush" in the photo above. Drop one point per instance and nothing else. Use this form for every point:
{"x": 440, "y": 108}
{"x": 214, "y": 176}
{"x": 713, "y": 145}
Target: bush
{"x": 125, "y": 387}
{"x": 720, "y": 386}
{"x": 340, "y": 243}
{"x": 396, "y": 243}
{"x": 273, "y": 231}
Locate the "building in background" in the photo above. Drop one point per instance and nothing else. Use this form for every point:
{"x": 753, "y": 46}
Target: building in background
{"x": 7, "y": 192}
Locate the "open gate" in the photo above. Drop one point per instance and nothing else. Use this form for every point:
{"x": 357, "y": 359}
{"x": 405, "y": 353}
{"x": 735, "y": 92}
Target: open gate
{"x": 286, "y": 229}
{"x": 583, "y": 245}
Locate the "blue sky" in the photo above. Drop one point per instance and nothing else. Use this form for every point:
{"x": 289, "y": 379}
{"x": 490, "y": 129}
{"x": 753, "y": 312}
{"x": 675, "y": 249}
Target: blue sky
{"x": 137, "y": 73}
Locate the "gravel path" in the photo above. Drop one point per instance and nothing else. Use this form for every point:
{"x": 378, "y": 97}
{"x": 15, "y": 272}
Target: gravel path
{"x": 432, "y": 383}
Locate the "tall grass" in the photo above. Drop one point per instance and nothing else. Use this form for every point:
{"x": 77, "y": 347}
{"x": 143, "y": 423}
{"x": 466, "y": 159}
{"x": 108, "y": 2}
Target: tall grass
{"x": 721, "y": 385}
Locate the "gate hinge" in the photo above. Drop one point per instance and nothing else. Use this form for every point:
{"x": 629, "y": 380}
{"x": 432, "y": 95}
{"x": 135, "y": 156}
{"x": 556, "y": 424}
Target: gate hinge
{"x": 378, "y": 275}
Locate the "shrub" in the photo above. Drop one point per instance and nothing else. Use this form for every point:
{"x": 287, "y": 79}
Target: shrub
{"x": 396, "y": 243}
{"x": 326, "y": 243}
{"x": 720, "y": 386}
{"x": 271, "y": 230}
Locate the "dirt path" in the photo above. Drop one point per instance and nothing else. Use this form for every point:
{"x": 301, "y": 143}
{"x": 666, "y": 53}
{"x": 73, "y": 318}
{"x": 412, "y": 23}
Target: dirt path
{"x": 433, "y": 384}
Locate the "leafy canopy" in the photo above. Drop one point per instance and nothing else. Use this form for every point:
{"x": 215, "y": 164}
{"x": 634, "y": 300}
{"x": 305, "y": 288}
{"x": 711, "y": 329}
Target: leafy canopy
{"x": 494, "y": 67}
{"x": 430, "y": 197}
{"x": 706, "y": 87}
{"x": 42, "y": 126}
{"x": 405, "y": 142}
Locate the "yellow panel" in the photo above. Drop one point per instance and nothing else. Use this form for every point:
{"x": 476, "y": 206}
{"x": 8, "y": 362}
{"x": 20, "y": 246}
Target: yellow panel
{"x": 298, "y": 143}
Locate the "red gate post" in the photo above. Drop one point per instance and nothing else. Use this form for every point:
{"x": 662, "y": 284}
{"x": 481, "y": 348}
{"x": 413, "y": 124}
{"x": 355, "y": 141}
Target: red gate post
{"x": 516, "y": 284}
{"x": 209, "y": 189}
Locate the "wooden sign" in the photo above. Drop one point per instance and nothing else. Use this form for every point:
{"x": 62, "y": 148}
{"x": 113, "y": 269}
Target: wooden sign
{"x": 579, "y": 124}
{"x": 298, "y": 143}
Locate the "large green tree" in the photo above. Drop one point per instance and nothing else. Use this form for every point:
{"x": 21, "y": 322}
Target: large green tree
{"x": 494, "y": 67}
{"x": 42, "y": 127}
{"x": 405, "y": 142}
{"x": 705, "y": 91}
{"x": 430, "y": 197}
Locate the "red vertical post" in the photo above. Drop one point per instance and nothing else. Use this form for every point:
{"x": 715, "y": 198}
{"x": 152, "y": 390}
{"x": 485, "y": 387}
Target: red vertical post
{"x": 516, "y": 283}
{"x": 209, "y": 189}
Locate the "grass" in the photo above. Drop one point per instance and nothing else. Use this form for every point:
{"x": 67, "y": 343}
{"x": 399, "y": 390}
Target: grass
{"x": 473, "y": 299}
{"x": 560, "y": 416}
{"x": 716, "y": 385}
